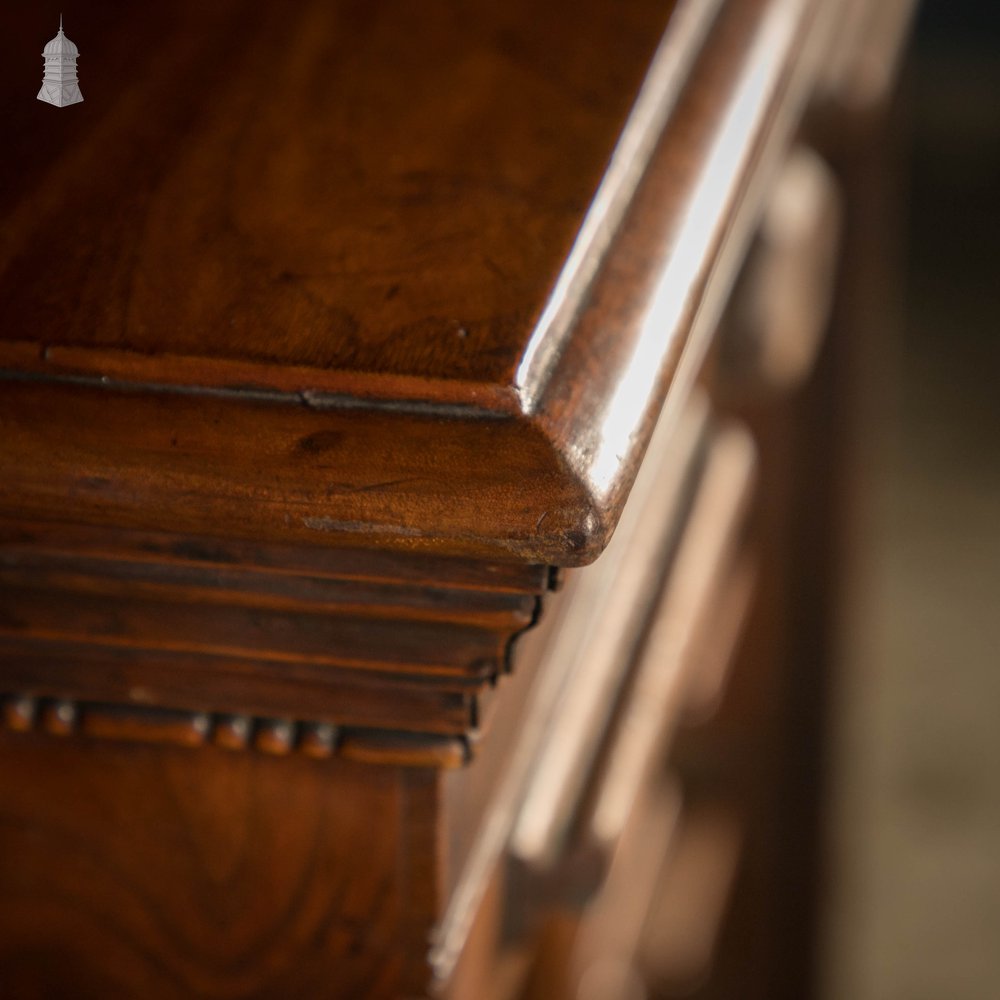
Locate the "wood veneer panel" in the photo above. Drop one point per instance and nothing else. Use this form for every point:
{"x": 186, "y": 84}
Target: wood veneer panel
{"x": 169, "y": 873}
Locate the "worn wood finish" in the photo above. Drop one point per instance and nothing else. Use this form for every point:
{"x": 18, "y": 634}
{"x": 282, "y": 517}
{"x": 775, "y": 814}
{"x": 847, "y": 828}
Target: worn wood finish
{"x": 200, "y": 465}
{"x": 267, "y": 325}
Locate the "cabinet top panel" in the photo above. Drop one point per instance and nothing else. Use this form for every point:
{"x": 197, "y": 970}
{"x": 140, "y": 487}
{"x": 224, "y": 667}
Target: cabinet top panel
{"x": 381, "y": 272}
{"x": 386, "y": 189}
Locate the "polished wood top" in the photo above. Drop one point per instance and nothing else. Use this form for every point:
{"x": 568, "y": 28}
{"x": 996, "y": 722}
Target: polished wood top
{"x": 397, "y": 274}
{"x": 389, "y": 189}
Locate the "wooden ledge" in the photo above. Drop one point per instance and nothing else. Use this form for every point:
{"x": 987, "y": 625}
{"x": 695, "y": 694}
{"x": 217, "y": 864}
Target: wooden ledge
{"x": 379, "y": 277}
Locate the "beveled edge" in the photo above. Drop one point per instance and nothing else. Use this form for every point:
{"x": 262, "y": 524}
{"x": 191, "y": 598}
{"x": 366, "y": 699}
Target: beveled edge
{"x": 589, "y": 399}
{"x": 769, "y": 56}
{"x": 665, "y": 79}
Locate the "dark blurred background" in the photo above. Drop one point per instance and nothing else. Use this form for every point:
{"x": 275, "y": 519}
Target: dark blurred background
{"x": 914, "y": 898}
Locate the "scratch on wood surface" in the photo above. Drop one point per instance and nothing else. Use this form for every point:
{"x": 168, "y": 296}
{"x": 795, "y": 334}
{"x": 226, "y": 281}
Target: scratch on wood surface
{"x": 345, "y": 488}
{"x": 331, "y": 524}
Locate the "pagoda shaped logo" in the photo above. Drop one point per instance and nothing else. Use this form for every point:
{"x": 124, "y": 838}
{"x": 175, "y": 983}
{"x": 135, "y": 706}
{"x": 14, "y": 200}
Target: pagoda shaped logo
{"x": 59, "y": 85}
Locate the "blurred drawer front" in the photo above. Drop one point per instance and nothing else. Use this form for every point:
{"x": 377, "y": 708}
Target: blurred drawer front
{"x": 623, "y": 657}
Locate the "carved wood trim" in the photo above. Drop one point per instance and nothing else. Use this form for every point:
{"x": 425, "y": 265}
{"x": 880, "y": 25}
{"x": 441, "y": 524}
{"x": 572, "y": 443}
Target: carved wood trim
{"x": 63, "y": 717}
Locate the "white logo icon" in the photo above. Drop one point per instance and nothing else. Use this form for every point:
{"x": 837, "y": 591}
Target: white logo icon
{"x": 59, "y": 85}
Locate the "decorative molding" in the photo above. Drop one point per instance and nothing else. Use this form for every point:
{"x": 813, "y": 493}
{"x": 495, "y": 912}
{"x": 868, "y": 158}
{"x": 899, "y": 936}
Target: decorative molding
{"x": 379, "y": 657}
{"x": 62, "y": 717}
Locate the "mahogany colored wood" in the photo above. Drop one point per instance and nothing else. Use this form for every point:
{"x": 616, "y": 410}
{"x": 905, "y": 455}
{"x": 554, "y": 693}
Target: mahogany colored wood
{"x": 384, "y": 190}
{"x": 328, "y": 331}
{"x": 402, "y": 288}
{"x": 394, "y": 653}
{"x": 133, "y": 870}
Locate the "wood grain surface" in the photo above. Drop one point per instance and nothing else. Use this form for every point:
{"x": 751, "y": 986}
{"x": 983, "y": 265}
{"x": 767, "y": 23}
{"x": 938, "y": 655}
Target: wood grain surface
{"x": 383, "y": 188}
{"x": 295, "y": 419}
{"x": 131, "y": 871}
{"x": 297, "y": 271}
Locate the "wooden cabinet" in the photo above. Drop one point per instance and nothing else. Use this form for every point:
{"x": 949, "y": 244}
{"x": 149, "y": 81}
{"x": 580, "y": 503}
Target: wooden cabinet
{"x": 401, "y": 406}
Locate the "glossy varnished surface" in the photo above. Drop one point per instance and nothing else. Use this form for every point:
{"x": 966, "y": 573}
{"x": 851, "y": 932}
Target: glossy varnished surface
{"x": 256, "y": 526}
{"x": 307, "y": 272}
{"x": 381, "y": 188}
